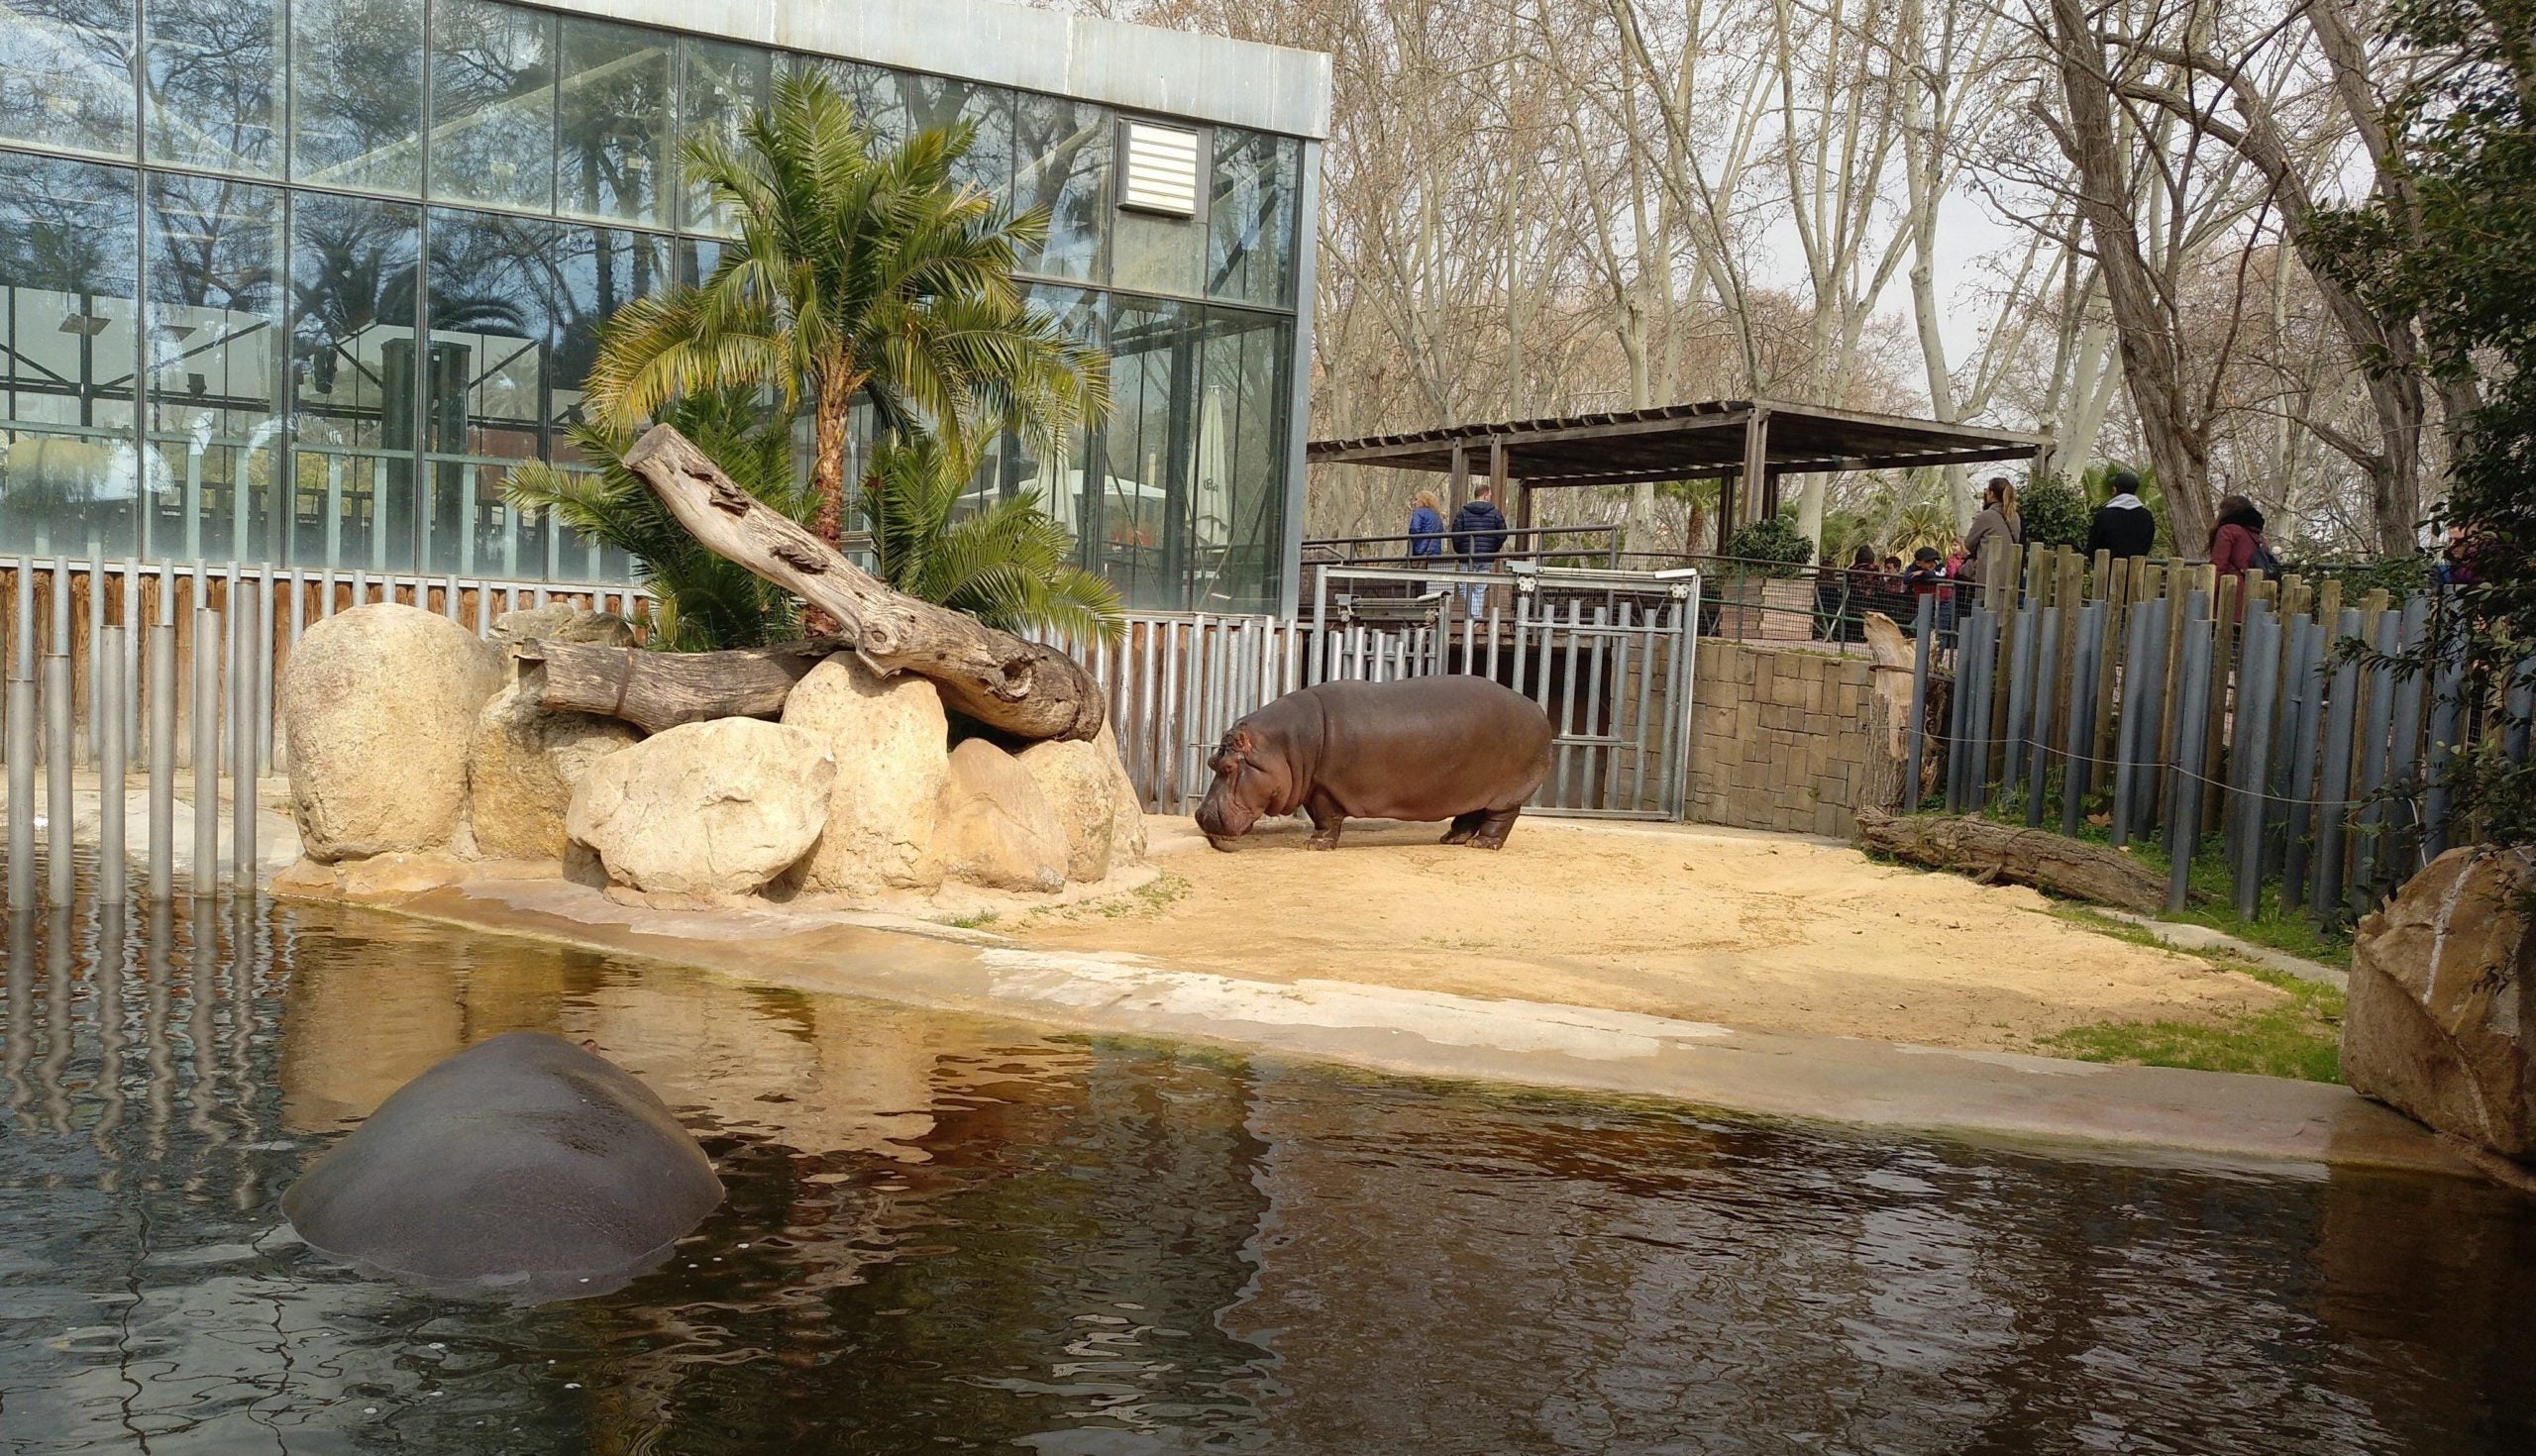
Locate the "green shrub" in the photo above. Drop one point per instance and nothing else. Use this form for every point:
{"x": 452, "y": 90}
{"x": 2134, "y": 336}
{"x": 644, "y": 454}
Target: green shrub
{"x": 1775, "y": 543}
{"x": 2056, "y": 512}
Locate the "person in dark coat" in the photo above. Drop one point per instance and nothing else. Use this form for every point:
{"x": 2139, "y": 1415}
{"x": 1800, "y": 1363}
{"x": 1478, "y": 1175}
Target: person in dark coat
{"x": 2235, "y": 543}
{"x": 2123, "y": 528}
{"x": 1479, "y": 533}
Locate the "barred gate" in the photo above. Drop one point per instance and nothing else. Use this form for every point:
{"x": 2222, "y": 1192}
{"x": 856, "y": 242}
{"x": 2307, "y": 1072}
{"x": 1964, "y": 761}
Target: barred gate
{"x": 1608, "y": 656}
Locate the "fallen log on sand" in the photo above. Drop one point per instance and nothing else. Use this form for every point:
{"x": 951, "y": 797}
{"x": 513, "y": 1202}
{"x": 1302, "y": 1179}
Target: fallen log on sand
{"x": 1002, "y": 681}
{"x": 2036, "y": 856}
{"x": 654, "y": 691}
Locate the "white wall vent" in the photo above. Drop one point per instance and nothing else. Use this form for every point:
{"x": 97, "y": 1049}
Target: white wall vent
{"x": 1162, "y": 169}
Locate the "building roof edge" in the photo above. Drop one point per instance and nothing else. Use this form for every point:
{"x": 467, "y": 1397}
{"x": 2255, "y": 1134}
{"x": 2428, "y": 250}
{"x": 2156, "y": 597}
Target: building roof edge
{"x": 1182, "y": 74}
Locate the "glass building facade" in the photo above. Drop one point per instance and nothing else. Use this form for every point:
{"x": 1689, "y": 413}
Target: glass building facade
{"x": 299, "y": 281}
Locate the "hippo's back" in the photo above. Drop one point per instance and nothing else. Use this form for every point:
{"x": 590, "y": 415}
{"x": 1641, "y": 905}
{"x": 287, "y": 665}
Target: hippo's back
{"x": 1430, "y": 746}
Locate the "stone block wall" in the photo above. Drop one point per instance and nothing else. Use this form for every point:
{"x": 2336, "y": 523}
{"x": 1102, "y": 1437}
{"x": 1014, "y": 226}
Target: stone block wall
{"x": 1780, "y": 737}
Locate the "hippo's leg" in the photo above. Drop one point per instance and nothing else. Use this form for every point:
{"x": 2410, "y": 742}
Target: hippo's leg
{"x": 1493, "y": 828}
{"x": 1327, "y": 820}
{"x": 1464, "y": 826}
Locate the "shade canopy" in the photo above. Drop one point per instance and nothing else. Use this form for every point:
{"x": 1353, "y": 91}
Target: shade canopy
{"x": 1685, "y": 442}
{"x": 1730, "y": 440}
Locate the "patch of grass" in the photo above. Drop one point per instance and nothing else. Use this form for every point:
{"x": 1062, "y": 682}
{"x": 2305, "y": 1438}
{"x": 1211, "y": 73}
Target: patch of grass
{"x": 977, "y": 921}
{"x": 2213, "y": 904}
{"x": 2302, "y": 1039}
{"x": 1164, "y": 892}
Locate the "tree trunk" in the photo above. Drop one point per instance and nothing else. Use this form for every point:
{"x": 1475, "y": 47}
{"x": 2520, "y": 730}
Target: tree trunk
{"x": 654, "y": 691}
{"x": 1014, "y": 687}
{"x": 2177, "y": 437}
{"x": 2036, "y": 856}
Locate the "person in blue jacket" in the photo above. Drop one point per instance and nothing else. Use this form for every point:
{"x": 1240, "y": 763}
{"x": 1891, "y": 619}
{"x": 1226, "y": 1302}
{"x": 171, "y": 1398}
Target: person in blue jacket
{"x": 1426, "y": 533}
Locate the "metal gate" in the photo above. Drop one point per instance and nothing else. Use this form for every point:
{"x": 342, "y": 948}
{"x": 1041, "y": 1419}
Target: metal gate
{"x": 1608, "y": 656}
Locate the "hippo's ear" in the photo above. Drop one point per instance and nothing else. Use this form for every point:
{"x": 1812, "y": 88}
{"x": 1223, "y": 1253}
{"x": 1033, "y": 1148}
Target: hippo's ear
{"x": 1239, "y": 741}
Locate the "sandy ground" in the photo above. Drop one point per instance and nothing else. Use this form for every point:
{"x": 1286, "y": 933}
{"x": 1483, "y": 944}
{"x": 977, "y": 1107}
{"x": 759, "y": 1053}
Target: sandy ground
{"x": 1762, "y": 931}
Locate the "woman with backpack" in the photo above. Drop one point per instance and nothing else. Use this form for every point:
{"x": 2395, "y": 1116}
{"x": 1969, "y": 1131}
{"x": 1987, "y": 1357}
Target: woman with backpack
{"x": 2237, "y": 545}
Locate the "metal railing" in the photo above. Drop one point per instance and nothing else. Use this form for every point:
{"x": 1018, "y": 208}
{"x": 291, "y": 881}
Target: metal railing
{"x": 1562, "y": 545}
{"x": 173, "y": 667}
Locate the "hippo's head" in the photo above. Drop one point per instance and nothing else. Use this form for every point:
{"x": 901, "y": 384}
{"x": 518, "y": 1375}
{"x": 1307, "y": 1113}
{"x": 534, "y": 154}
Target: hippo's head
{"x": 1249, "y": 782}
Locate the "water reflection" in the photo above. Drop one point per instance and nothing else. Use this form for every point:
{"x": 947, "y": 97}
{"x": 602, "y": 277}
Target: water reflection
{"x": 947, "y": 1233}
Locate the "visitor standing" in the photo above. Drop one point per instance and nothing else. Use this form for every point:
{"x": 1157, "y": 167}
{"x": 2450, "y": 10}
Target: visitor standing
{"x": 2122, "y": 527}
{"x": 1426, "y": 535}
{"x": 1997, "y": 522}
{"x": 1479, "y": 533}
{"x": 2237, "y": 545}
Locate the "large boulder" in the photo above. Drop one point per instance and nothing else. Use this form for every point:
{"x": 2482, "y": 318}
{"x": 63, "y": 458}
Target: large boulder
{"x": 997, "y": 830}
{"x": 1076, "y": 779}
{"x": 891, "y": 741}
{"x": 379, "y": 704}
{"x": 705, "y": 809}
{"x": 2435, "y": 1024}
{"x": 1127, "y": 811}
{"x": 1086, "y": 784}
{"x": 522, "y": 768}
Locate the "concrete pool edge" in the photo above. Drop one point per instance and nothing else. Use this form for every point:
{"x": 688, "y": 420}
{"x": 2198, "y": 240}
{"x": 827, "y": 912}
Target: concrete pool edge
{"x": 2228, "y": 1119}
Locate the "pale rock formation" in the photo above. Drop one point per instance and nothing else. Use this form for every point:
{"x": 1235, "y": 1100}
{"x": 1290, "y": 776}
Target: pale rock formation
{"x": 704, "y": 810}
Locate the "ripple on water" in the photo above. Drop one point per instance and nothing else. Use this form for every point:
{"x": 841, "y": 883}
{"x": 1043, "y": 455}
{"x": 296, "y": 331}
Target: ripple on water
{"x": 951, "y": 1234}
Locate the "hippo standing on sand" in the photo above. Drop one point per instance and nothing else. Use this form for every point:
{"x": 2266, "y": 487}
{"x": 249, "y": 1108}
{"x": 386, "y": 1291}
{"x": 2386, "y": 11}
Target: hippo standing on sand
{"x": 1452, "y": 747}
{"x": 525, "y": 1167}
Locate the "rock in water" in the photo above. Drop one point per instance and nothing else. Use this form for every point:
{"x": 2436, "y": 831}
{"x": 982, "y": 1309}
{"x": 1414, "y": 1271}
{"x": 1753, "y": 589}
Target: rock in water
{"x": 713, "y": 808}
{"x": 997, "y": 830}
{"x": 522, "y": 768}
{"x": 379, "y": 704}
{"x": 523, "y": 1168}
{"x": 2436, "y": 1022}
{"x": 892, "y": 745}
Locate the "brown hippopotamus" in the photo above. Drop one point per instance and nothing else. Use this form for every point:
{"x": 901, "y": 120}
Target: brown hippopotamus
{"x": 1453, "y": 748}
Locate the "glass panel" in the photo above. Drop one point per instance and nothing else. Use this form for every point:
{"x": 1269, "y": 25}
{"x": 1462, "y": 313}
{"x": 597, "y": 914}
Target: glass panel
{"x": 493, "y": 105}
{"x": 65, "y": 74}
{"x": 1250, "y": 222}
{"x": 1141, "y": 530}
{"x": 354, "y": 270}
{"x": 599, "y": 272}
{"x": 1060, "y": 151}
{"x": 1158, "y": 254}
{"x": 931, "y": 101}
{"x": 873, "y": 89}
{"x": 725, "y": 84}
{"x": 215, "y": 83}
{"x": 68, "y": 236}
{"x": 213, "y": 329}
{"x": 356, "y": 94}
{"x": 1057, "y": 475}
{"x": 612, "y": 130}
{"x": 1238, "y": 504}
{"x": 493, "y": 286}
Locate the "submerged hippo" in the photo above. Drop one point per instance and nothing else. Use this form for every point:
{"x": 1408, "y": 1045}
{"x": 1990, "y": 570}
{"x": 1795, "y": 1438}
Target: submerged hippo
{"x": 524, "y": 1168}
{"x": 1427, "y": 747}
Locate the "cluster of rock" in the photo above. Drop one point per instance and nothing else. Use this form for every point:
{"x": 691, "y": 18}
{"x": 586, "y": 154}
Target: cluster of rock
{"x": 2437, "y": 1022}
{"x": 410, "y": 736}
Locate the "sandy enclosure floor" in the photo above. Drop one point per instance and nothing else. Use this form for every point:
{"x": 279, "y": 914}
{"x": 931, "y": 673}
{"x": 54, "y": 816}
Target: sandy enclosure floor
{"x": 1710, "y": 925}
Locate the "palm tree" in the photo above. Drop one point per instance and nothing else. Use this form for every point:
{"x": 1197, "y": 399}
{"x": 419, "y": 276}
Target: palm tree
{"x": 852, "y": 275}
{"x": 700, "y": 601}
{"x": 1007, "y": 564}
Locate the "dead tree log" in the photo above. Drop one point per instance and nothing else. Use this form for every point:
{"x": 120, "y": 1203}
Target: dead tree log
{"x": 1014, "y": 687}
{"x": 654, "y": 691}
{"x": 2036, "y": 856}
{"x": 1892, "y": 655}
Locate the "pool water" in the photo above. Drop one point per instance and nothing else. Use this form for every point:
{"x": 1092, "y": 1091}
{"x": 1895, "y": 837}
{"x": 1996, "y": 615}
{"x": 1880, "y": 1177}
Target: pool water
{"x": 953, "y": 1234}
